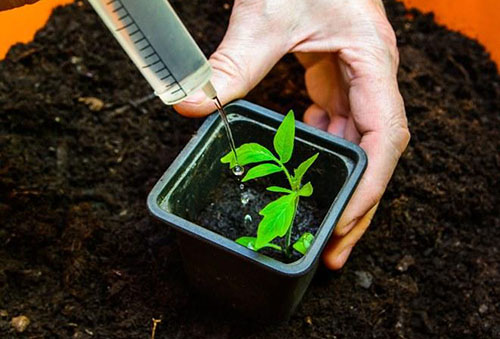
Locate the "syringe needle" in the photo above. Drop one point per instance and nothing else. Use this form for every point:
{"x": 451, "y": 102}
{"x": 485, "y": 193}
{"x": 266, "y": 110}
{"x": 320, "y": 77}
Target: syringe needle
{"x": 212, "y": 94}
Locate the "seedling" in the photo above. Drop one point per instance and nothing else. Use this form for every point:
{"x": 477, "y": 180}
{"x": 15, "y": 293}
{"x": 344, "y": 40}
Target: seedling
{"x": 278, "y": 215}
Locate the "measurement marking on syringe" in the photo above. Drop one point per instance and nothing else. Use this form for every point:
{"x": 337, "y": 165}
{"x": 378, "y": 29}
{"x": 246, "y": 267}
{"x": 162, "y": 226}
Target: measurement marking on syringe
{"x": 127, "y": 25}
{"x": 135, "y": 32}
{"x": 149, "y": 55}
{"x": 152, "y": 64}
{"x": 163, "y": 68}
{"x": 123, "y": 17}
{"x": 117, "y": 9}
{"x": 141, "y": 39}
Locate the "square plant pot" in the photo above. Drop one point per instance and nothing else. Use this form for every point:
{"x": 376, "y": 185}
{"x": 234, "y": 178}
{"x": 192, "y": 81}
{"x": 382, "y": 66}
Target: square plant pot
{"x": 252, "y": 283}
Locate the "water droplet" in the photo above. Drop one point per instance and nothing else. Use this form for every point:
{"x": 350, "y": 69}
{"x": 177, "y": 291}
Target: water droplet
{"x": 238, "y": 170}
{"x": 247, "y": 219}
{"x": 242, "y": 187}
{"x": 245, "y": 198}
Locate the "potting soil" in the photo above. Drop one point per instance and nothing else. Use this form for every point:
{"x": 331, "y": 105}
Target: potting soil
{"x": 234, "y": 209}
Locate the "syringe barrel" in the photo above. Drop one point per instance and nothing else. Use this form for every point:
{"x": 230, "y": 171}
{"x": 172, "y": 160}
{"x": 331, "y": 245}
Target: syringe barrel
{"x": 158, "y": 43}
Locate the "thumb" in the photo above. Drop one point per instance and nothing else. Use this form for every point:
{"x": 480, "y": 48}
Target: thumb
{"x": 243, "y": 58}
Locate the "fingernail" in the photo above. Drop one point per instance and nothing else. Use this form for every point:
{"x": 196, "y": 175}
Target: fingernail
{"x": 197, "y": 98}
{"x": 342, "y": 258}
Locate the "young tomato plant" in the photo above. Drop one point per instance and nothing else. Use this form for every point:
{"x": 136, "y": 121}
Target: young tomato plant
{"x": 278, "y": 215}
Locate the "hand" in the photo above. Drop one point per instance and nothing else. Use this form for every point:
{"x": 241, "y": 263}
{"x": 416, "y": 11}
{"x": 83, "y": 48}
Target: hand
{"x": 348, "y": 49}
{"x": 8, "y": 4}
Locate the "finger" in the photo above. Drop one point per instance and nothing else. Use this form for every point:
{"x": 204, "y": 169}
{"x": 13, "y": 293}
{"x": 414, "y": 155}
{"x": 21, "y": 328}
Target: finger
{"x": 325, "y": 85}
{"x": 339, "y": 248}
{"x": 351, "y": 132}
{"x": 239, "y": 64}
{"x": 378, "y": 114}
{"x": 382, "y": 159}
{"x": 309, "y": 59}
{"x": 337, "y": 125}
{"x": 317, "y": 117}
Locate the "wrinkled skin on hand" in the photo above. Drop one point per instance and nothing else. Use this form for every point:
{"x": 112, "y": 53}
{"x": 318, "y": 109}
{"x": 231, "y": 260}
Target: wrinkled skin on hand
{"x": 349, "y": 52}
{"x": 9, "y": 4}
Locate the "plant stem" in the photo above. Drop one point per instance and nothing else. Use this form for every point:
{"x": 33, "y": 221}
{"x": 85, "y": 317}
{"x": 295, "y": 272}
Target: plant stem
{"x": 288, "y": 251}
{"x": 288, "y": 176}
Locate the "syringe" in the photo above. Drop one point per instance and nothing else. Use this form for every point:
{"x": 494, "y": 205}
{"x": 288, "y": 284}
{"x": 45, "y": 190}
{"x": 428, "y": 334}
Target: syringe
{"x": 160, "y": 46}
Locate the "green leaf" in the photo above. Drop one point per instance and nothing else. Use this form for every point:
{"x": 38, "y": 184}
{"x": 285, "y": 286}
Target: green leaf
{"x": 249, "y": 242}
{"x": 285, "y": 135}
{"x": 248, "y": 154}
{"x": 303, "y": 243}
{"x": 277, "y": 219}
{"x": 306, "y": 190}
{"x": 229, "y": 159}
{"x": 261, "y": 171}
{"x": 303, "y": 167}
{"x": 279, "y": 189}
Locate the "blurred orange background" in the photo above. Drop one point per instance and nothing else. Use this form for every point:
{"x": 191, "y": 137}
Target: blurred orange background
{"x": 479, "y": 19}
{"x": 20, "y": 24}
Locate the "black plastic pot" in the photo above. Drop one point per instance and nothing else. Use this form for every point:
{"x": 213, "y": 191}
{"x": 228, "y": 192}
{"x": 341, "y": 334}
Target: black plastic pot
{"x": 252, "y": 283}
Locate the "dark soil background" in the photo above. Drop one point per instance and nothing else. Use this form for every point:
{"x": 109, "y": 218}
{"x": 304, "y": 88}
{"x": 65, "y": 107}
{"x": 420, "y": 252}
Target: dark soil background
{"x": 81, "y": 258}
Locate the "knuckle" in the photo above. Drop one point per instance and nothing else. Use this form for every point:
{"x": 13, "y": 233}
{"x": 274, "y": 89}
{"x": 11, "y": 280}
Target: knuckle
{"x": 402, "y": 133}
{"x": 384, "y": 40}
{"x": 342, "y": 231}
{"x": 378, "y": 191}
{"x": 380, "y": 49}
{"x": 400, "y": 137}
{"x": 406, "y": 137}
{"x": 388, "y": 40}
{"x": 397, "y": 130}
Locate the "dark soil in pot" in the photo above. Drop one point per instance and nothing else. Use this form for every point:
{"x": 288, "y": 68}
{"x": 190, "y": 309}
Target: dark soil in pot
{"x": 234, "y": 212}
{"x": 79, "y": 253}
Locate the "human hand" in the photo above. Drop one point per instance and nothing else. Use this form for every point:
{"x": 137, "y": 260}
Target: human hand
{"x": 348, "y": 49}
{"x": 8, "y": 4}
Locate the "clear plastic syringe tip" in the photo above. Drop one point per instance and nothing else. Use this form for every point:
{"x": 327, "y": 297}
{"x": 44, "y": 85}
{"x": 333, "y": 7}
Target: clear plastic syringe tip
{"x": 210, "y": 91}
